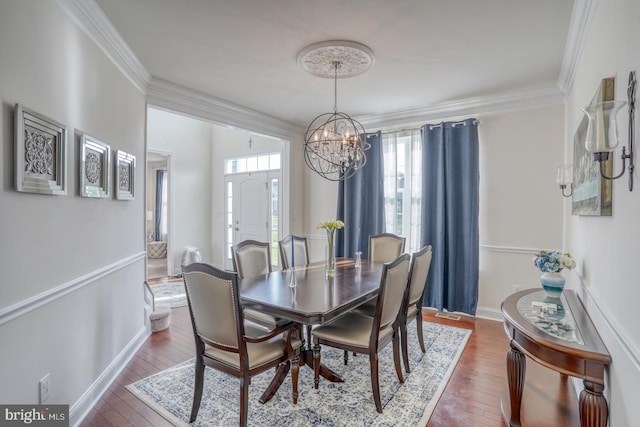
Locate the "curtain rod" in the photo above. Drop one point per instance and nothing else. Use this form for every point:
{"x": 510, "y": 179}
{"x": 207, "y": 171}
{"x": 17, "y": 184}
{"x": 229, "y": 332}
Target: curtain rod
{"x": 433, "y": 126}
{"x": 454, "y": 124}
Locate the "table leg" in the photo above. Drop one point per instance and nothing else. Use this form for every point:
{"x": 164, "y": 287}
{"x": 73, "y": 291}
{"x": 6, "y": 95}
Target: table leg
{"x": 281, "y": 373}
{"x": 516, "y": 370}
{"x": 306, "y": 358}
{"x": 594, "y": 411}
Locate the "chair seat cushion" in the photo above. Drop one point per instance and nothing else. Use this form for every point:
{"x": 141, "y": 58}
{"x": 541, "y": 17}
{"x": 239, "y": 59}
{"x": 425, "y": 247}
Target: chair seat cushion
{"x": 263, "y": 319}
{"x": 368, "y": 308}
{"x": 259, "y": 353}
{"x": 353, "y": 329}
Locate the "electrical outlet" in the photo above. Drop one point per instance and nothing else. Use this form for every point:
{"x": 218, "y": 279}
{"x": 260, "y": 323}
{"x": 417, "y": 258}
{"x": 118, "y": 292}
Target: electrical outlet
{"x": 45, "y": 388}
{"x": 517, "y": 288}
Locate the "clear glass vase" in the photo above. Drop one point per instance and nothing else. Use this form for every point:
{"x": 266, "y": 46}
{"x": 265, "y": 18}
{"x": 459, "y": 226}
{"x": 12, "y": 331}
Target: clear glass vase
{"x": 330, "y": 255}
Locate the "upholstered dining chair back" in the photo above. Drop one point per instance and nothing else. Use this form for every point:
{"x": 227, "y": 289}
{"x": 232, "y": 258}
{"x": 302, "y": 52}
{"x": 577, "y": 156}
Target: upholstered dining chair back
{"x": 392, "y": 290}
{"x": 214, "y": 304}
{"x": 299, "y": 249}
{"x": 251, "y": 258}
{"x": 420, "y": 265}
{"x": 385, "y": 247}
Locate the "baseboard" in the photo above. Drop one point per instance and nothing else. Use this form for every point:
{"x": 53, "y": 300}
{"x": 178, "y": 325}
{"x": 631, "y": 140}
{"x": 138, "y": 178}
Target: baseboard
{"x": 489, "y": 314}
{"x": 89, "y": 399}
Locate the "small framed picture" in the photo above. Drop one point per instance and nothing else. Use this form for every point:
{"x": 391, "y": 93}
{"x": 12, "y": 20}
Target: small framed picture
{"x": 125, "y": 175}
{"x": 95, "y": 168}
{"x": 40, "y": 153}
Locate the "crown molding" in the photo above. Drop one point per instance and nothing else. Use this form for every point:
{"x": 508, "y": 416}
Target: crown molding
{"x": 176, "y": 98}
{"x": 88, "y": 15}
{"x": 471, "y": 106}
{"x": 167, "y": 95}
{"x": 581, "y": 15}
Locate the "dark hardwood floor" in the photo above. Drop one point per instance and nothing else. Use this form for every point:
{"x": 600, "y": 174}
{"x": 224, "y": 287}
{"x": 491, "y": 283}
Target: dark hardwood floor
{"x": 471, "y": 398}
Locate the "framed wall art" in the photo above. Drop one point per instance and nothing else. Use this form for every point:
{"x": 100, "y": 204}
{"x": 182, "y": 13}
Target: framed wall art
{"x": 95, "y": 168}
{"x": 40, "y": 153}
{"x": 125, "y": 175}
{"x": 592, "y": 194}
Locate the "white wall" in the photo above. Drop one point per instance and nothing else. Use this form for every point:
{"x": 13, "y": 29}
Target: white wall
{"x": 520, "y": 202}
{"x": 188, "y": 142}
{"x": 71, "y": 299}
{"x": 606, "y": 248}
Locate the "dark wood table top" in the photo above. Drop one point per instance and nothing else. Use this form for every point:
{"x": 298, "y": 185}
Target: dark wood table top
{"x": 315, "y": 299}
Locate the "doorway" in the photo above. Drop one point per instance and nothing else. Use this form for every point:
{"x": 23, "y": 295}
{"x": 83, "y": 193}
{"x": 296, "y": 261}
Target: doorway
{"x": 158, "y": 215}
{"x": 252, "y": 208}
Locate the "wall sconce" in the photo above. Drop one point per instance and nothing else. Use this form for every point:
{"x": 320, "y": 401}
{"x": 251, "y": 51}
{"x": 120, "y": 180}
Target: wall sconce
{"x": 602, "y": 132}
{"x": 565, "y": 178}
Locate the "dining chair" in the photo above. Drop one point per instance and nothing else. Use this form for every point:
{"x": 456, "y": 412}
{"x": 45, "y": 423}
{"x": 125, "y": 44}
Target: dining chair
{"x": 412, "y": 305}
{"x": 252, "y": 258}
{"x": 298, "y": 251}
{"x": 385, "y": 247}
{"x": 412, "y": 309}
{"x": 364, "y": 334}
{"x": 224, "y": 341}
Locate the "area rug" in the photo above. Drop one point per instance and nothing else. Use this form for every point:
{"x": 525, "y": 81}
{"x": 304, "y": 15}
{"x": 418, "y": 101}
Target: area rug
{"x": 169, "y": 294}
{"x": 170, "y": 392}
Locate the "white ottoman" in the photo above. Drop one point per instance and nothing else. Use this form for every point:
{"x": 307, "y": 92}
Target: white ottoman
{"x": 160, "y": 319}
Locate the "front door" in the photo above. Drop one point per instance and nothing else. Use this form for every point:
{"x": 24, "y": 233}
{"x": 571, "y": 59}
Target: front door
{"x": 247, "y": 209}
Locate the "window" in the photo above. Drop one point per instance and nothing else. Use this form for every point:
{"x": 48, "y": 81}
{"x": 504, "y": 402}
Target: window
{"x": 261, "y": 162}
{"x": 402, "y": 153}
{"x": 275, "y": 203}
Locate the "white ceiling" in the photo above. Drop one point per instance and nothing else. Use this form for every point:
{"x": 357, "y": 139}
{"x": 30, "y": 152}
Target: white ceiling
{"x": 427, "y": 52}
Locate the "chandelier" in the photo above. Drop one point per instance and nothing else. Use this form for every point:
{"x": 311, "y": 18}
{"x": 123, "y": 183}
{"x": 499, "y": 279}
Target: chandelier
{"x": 334, "y": 143}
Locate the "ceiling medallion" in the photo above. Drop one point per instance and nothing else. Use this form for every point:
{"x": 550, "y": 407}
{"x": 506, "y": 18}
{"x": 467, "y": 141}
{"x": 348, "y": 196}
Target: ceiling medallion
{"x": 334, "y": 143}
{"x": 318, "y": 58}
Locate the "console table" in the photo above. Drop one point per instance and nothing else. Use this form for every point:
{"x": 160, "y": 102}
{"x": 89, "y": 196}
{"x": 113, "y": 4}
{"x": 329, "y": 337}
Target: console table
{"x": 558, "y": 334}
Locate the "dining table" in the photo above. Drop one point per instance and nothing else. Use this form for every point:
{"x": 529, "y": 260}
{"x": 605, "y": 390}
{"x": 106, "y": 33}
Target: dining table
{"x": 307, "y": 296}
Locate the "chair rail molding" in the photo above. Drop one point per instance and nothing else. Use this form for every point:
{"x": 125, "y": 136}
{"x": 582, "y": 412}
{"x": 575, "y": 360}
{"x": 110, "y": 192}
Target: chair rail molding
{"x": 11, "y": 312}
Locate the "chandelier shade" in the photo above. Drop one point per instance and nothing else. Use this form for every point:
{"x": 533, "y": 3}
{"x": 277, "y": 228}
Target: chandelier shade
{"x": 335, "y": 143}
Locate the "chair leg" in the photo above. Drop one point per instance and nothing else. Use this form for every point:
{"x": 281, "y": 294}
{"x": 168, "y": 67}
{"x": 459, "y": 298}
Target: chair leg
{"x": 375, "y": 383}
{"x": 346, "y": 357}
{"x": 244, "y": 400}
{"x": 405, "y": 346}
{"x": 316, "y": 364}
{"x": 197, "y": 389}
{"x": 420, "y": 337}
{"x": 295, "y": 368}
{"x": 396, "y": 356}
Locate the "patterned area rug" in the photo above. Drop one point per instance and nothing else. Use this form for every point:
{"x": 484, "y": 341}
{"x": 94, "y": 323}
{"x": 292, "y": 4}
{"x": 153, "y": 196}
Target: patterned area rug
{"x": 169, "y": 294}
{"x": 170, "y": 392}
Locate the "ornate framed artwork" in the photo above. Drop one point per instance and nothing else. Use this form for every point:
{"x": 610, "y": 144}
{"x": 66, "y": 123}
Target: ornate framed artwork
{"x": 592, "y": 194}
{"x": 95, "y": 168}
{"x": 40, "y": 153}
{"x": 125, "y": 175}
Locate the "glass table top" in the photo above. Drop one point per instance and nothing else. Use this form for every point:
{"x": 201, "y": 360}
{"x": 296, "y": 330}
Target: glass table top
{"x": 551, "y": 315}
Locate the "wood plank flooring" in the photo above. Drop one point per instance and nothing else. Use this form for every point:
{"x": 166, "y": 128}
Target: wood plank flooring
{"x": 471, "y": 398}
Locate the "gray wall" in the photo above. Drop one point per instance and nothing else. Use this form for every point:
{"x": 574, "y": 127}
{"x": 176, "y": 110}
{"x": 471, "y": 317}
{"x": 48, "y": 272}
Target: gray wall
{"x": 71, "y": 299}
